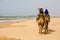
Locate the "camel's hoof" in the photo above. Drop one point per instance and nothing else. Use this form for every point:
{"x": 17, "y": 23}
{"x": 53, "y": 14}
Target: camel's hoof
{"x": 39, "y": 32}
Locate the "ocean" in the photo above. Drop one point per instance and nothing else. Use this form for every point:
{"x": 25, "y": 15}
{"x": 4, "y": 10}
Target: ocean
{"x": 5, "y": 19}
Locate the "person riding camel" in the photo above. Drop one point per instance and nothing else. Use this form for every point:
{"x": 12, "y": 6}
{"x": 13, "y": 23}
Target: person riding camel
{"x": 40, "y": 13}
{"x": 47, "y": 14}
{"x": 40, "y": 19}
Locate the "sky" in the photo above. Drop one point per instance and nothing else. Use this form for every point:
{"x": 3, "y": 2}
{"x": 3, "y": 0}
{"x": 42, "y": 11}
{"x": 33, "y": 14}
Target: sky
{"x": 28, "y": 7}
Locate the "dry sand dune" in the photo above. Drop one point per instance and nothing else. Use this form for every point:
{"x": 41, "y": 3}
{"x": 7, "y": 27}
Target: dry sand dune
{"x": 28, "y": 30}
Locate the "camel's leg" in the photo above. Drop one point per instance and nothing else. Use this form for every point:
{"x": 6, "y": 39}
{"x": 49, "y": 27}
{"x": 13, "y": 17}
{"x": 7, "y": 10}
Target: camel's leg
{"x": 40, "y": 29}
{"x": 47, "y": 26}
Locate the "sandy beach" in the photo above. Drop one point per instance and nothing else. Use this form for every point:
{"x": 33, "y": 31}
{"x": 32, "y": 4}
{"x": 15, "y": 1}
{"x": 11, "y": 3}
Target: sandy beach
{"x": 28, "y": 30}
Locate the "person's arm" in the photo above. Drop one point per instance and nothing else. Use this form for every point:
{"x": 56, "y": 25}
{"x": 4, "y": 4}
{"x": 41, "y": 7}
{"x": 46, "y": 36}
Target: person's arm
{"x": 49, "y": 18}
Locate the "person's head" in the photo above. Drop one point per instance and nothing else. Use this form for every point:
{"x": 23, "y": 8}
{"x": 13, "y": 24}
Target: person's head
{"x": 40, "y": 10}
{"x": 46, "y": 9}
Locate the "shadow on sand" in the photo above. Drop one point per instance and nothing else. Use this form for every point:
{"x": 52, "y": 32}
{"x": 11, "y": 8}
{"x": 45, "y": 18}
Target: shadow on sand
{"x": 49, "y": 31}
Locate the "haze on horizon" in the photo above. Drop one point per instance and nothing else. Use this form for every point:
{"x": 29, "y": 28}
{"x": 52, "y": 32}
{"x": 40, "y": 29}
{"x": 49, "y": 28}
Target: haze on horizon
{"x": 28, "y": 7}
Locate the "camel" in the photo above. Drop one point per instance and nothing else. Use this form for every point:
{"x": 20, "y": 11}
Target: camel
{"x": 40, "y": 21}
{"x": 46, "y": 22}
